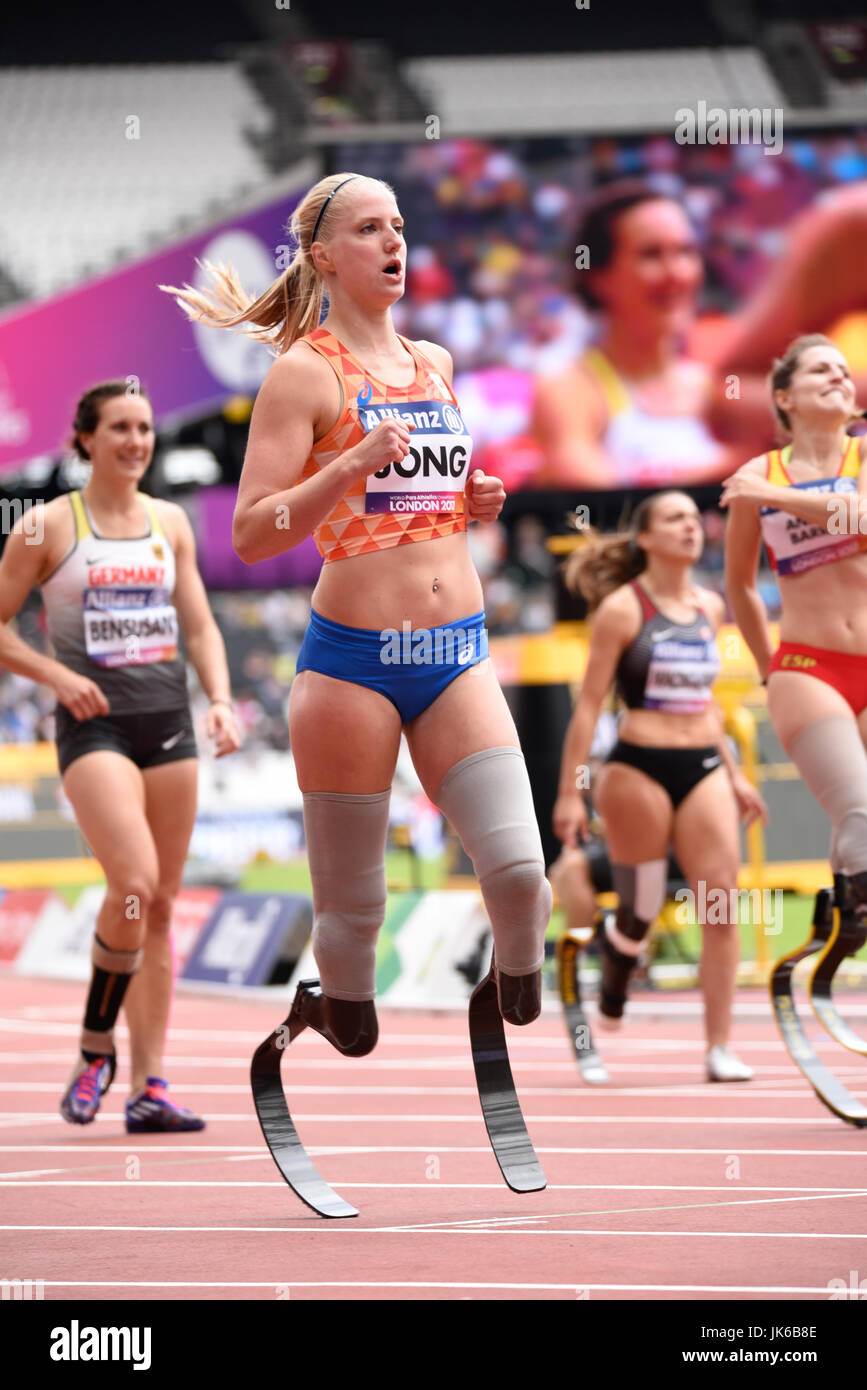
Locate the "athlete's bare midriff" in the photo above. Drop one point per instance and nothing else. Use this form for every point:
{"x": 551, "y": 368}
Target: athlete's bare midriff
{"x": 386, "y": 588}
{"x": 827, "y": 607}
{"x": 658, "y": 729}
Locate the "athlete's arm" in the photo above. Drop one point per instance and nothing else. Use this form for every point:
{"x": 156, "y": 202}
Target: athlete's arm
{"x": 615, "y": 625}
{"x": 296, "y": 404}
{"x": 713, "y": 604}
{"x": 204, "y": 641}
{"x": 821, "y": 275}
{"x": 21, "y": 568}
{"x": 568, "y": 423}
{"x": 203, "y": 638}
{"x": 831, "y": 511}
{"x": 743, "y": 550}
{"x": 750, "y": 804}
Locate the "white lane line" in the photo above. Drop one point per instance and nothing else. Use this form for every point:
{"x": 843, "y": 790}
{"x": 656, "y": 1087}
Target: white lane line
{"x": 482, "y": 1230}
{"x": 434, "y": 1225}
{"x": 782, "y": 1073}
{"x": 258, "y": 1150}
{"x": 513, "y": 1223}
{"x": 428, "y": 1284}
{"x": 35, "y": 1172}
{"x": 420, "y": 1186}
{"x": 209, "y": 1036}
{"x": 22, "y": 1118}
{"x": 576, "y": 1092}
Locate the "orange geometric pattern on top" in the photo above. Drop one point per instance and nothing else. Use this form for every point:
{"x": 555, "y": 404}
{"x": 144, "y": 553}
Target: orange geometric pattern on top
{"x": 348, "y": 530}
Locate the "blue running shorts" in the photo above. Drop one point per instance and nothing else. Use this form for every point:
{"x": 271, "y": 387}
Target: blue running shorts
{"x": 410, "y": 667}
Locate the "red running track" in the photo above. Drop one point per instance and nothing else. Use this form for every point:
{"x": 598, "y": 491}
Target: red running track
{"x": 660, "y": 1186}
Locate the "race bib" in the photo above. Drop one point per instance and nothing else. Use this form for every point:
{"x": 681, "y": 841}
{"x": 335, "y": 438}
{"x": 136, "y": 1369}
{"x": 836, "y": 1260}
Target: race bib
{"x": 800, "y": 545}
{"x": 433, "y": 475}
{"x": 680, "y": 676}
{"x": 129, "y": 627}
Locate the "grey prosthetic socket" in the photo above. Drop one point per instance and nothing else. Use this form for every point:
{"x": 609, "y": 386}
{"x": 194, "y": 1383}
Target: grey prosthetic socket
{"x": 832, "y": 760}
{"x": 487, "y": 799}
{"x": 640, "y": 889}
{"x": 346, "y": 836}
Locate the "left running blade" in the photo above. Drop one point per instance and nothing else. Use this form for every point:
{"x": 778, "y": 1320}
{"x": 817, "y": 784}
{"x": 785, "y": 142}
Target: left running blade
{"x": 513, "y": 1148}
{"x": 281, "y": 1135}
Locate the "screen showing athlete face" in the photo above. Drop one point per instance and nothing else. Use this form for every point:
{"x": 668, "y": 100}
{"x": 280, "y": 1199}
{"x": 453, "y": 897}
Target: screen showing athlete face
{"x": 613, "y": 305}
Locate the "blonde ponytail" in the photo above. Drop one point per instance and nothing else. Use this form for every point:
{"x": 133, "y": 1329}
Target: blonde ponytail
{"x": 292, "y": 305}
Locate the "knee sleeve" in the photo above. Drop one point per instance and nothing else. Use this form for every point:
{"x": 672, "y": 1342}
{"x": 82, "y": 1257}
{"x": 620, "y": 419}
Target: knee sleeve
{"x": 487, "y": 799}
{"x": 640, "y": 890}
{"x": 346, "y": 836}
{"x": 832, "y": 760}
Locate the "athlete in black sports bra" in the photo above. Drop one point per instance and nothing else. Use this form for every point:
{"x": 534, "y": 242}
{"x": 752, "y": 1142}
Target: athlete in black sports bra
{"x": 670, "y": 779}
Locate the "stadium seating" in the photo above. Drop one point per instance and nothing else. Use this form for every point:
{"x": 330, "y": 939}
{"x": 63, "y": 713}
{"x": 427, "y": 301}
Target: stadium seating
{"x": 67, "y": 150}
{"x": 577, "y": 92}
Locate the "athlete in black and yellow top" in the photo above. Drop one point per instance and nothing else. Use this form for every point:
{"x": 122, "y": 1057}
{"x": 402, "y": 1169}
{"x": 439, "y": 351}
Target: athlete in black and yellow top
{"x": 809, "y": 505}
{"x": 670, "y": 779}
{"x": 118, "y": 576}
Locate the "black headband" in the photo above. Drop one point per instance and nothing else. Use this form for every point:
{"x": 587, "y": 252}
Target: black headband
{"x": 327, "y": 201}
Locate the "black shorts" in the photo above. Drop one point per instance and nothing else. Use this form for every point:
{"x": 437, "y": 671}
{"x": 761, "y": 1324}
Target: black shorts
{"x": 678, "y": 770}
{"x": 599, "y": 864}
{"x": 161, "y": 736}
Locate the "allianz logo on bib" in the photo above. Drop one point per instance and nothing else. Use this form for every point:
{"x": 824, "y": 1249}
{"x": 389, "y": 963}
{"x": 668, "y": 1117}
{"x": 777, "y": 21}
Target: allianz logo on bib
{"x": 77, "y": 1343}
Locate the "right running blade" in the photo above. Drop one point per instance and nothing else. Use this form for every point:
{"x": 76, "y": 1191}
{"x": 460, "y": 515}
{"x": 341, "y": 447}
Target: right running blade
{"x": 513, "y": 1148}
{"x": 828, "y": 1088}
{"x": 281, "y": 1135}
{"x": 589, "y": 1062}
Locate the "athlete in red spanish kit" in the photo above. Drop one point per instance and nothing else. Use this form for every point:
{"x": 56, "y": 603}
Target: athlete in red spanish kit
{"x": 808, "y": 503}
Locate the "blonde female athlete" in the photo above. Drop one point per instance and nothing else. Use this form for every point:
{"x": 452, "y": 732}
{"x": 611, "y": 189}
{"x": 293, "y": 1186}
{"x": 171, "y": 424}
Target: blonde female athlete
{"x": 357, "y": 438}
{"x": 117, "y": 572}
{"x": 808, "y": 503}
{"x": 670, "y": 779}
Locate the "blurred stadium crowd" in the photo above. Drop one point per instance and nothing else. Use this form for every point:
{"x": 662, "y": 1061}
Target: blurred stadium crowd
{"x": 491, "y": 228}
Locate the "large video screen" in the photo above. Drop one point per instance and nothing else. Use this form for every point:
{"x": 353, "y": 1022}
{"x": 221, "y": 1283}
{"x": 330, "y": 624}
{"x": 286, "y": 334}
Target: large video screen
{"x": 613, "y": 306}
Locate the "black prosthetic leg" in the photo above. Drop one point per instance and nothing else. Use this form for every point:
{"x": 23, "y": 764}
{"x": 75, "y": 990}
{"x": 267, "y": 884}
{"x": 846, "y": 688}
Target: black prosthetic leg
{"x": 519, "y": 998}
{"x": 828, "y": 1088}
{"x": 351, "y": 1028}
{"x": 569, "y": 949}
{"x": 846, "y": 936}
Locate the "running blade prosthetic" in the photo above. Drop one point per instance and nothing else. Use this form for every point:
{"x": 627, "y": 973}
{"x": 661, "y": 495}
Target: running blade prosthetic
{"x": 569, "y": 949}
{"x": 513, "y": 1148}
{"x": 280, "y": 1133}
{"x": 828, "y": 1088}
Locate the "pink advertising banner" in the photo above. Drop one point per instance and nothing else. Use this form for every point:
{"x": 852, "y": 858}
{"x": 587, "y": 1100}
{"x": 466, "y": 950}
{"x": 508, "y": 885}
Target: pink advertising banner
{"x": 122, "y": 325}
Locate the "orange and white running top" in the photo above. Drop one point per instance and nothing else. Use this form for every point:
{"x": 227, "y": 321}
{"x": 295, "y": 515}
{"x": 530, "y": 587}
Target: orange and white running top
{"x": 417, "y": 499}
{"x": 795, "y": 545}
